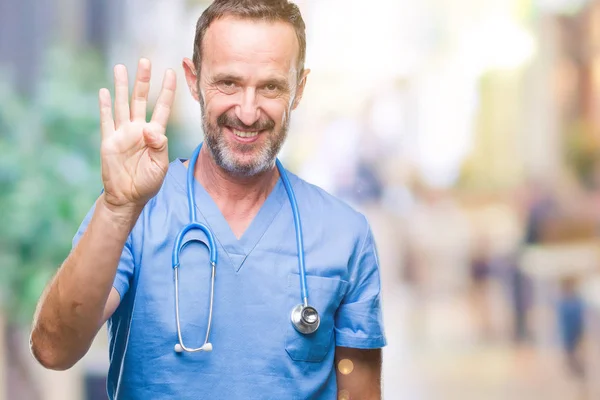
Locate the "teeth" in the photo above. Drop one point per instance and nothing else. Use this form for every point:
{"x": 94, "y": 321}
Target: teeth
{"x": 245, "y": 134}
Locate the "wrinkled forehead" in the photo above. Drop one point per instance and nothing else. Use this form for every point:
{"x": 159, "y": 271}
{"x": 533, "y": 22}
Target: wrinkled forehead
{"x": 246, "y": 46}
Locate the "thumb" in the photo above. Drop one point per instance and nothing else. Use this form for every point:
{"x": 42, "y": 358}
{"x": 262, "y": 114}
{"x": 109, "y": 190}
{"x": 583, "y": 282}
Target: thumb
{"x": 154, "y": 141}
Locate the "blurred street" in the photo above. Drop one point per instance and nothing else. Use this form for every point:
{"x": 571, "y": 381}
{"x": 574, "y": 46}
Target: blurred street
{"x": 454, "y": 335}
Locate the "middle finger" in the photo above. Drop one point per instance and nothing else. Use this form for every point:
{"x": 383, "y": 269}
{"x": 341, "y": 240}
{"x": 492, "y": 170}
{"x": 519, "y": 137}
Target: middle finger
{"x": 140, "y": 90}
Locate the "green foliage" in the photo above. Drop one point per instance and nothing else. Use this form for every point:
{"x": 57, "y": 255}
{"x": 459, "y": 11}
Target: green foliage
{"x": 49, "y": 172}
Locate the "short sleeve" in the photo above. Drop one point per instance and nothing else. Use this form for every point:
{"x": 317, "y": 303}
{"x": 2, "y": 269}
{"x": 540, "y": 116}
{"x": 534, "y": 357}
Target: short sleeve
{"x": 359, "y": 319}
{"x": 126, "y": 263}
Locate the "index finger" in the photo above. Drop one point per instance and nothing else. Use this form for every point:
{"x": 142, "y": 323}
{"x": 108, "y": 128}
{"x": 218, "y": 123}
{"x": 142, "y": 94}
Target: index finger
{"x": 164, "y": 104}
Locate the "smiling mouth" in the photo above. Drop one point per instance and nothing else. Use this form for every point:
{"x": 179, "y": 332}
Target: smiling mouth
{"x": 244, "y": 134}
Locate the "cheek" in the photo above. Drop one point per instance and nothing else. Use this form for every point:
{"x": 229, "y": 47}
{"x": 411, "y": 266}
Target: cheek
{"x": 216, "y": 103}
{"x": 277, "y": 111}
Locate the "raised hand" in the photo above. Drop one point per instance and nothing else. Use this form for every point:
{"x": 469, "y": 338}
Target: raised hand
{"x": 134, "y": 152}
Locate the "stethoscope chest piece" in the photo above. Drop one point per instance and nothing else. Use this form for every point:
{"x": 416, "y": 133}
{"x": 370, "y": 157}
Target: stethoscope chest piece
{"x": 305, "y": 319}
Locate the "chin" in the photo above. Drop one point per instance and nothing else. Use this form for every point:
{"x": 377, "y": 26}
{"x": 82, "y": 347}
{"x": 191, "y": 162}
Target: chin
{"x": 245, "y": 171}
{"x": 243, "y": 160}
{"x": 244, "y": 166}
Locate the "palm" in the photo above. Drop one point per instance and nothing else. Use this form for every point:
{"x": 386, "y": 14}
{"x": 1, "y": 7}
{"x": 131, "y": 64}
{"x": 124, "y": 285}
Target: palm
{"x": 134, "y": 152}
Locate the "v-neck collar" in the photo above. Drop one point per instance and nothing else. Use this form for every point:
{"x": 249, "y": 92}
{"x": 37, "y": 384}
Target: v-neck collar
{"x": 236, "y": 249}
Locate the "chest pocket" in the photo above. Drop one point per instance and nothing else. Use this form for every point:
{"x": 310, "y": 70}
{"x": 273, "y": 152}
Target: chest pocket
{"x": 325, "y": 294}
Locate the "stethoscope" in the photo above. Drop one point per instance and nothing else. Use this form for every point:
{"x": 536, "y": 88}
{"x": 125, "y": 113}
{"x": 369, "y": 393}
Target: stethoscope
{"x": 305, "y": 318}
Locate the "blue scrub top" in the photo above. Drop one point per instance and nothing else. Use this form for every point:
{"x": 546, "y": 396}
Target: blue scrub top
{"x": 257, "y": 352}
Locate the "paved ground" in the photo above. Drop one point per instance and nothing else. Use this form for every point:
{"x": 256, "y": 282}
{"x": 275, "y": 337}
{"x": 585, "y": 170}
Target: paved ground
{"x": 437, "y": 351}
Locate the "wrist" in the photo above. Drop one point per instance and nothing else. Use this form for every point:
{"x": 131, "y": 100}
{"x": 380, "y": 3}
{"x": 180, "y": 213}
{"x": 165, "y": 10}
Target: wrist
{"x": 124, "y": 213}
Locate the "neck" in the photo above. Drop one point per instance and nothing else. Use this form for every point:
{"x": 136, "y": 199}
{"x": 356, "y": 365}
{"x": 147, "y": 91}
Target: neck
{"x": 238, "y": 197}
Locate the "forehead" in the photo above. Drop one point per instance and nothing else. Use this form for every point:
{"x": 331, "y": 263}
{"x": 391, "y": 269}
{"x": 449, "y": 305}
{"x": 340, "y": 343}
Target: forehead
{"x": 249, "y": 45}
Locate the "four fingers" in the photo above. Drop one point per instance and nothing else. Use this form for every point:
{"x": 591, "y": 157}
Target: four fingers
{"x": 140, "y": 90}
{"x": 139, "y": 100}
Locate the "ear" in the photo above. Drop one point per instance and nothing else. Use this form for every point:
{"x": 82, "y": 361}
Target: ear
{"x": 300, "y": 88}
{"x": 191, "y": 77}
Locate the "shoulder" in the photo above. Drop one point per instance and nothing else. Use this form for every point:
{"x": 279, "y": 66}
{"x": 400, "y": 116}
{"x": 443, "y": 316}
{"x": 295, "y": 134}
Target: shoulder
{"x": 329, "y": 209}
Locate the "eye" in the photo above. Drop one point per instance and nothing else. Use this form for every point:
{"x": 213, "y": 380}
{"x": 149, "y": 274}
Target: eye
{"x": 227, "y": 86}
{"x": 273, "y": 90}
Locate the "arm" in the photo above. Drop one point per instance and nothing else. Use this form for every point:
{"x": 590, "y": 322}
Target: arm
{"x": 80, "y": 298}
{"x": 358, "y": 373}
{"x": 134, "y": 159}
{"x": 359, "y": 332}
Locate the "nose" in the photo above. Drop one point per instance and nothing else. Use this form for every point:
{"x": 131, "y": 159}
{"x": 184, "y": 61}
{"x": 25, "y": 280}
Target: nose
{"x": 248, "y": 111}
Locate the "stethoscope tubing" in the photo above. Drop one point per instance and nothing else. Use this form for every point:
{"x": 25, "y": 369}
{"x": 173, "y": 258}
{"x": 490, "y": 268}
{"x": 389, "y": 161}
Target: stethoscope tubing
{"x": 195, "y": 224}
{"x": 298, "y": 227}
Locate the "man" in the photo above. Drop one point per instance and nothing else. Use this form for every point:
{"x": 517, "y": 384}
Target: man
{"x": 248, "y": 74}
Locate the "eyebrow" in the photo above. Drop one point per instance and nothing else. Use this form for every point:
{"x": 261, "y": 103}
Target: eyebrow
{"x": 226, "y": 77}
{"x": 282, "y": 82}
{"x": 276, "y": 81}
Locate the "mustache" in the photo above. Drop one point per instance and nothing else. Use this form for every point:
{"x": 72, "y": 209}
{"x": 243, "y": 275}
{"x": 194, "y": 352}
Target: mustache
{"x": 235, "y": 123}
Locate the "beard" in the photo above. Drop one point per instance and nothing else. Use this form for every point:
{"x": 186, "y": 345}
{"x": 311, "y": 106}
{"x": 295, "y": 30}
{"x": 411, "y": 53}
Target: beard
{"x": 224, "y": 153}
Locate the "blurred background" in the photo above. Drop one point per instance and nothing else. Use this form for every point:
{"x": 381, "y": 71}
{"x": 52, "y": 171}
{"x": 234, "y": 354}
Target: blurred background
{"x": 467, "y": 131}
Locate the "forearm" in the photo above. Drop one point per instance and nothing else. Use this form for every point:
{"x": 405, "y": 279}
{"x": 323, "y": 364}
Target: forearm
{"x": 363, "y": 389}
{"x": 70, "y": 312}
{"x": 358, "y": 373}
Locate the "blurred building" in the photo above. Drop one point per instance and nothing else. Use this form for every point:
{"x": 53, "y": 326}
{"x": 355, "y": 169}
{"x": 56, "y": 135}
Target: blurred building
{"x": 29, "y": 28}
